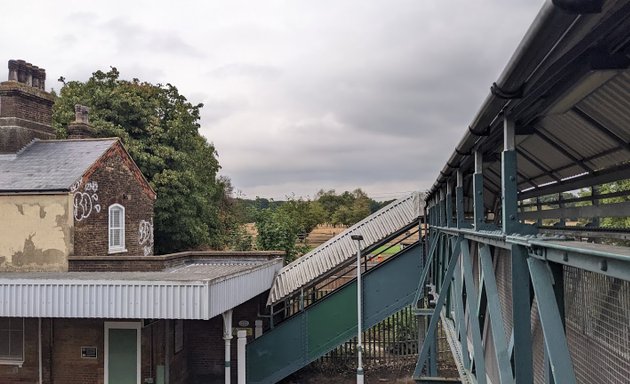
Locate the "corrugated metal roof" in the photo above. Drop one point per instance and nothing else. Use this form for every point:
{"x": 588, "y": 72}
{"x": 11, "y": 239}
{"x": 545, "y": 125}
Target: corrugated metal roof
{"x": 198, "y": 291}
{"x": 340, "y": 248}
{"x": 574, "y": 92}
{"x": 46, "y": 165}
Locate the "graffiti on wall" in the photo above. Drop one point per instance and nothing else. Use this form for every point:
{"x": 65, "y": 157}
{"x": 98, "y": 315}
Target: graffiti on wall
{"x": 145, "y": 236}
{"x": 86, "y": 200}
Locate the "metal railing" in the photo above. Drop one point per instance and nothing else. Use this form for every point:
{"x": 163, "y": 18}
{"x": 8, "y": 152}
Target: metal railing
{"x": 318, "y": 289}
{"x": 530, "y": 309}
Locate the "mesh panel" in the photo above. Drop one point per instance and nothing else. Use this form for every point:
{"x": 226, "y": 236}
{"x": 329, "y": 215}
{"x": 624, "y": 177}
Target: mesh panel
{"x": 598, "y": 318}
{"x": 503, "y": 274}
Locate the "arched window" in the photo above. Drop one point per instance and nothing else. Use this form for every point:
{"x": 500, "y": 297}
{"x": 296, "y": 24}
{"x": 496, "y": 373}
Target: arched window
{"x": 116, "y": 228}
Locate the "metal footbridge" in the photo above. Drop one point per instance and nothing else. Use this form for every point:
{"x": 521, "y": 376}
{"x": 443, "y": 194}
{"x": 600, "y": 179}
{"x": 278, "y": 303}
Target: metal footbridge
{"x": 318, "y": 312}
{"x": 526, "y": 274}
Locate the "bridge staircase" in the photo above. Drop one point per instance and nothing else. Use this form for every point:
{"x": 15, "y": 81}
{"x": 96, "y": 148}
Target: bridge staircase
{"x": 314, "y": 300}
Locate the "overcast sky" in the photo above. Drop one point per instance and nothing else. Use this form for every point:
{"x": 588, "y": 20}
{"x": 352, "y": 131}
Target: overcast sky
{"x": 299, "y": 95}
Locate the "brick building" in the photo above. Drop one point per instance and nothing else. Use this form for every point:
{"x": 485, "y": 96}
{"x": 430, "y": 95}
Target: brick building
{"x": 82, "y": 297}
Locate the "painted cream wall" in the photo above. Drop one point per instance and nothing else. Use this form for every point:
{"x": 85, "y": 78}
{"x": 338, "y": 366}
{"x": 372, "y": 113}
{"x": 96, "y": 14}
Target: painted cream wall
{"x": 36, "y": 232}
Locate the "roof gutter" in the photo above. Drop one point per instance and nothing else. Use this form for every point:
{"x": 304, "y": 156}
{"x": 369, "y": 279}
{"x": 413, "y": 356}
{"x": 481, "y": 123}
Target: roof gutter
{"x": 553, "y": 21}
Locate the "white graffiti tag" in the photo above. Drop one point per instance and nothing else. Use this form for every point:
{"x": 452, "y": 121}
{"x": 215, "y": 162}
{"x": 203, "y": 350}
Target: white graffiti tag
{"x": 85, "y": 202}
{"x": 145, "y": 236}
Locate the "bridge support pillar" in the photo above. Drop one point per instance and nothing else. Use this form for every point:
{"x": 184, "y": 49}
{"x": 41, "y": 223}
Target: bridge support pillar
{"x": 459, "y": 199}
{"x": 478, "y": 191}
{"x": 449, "y": 204}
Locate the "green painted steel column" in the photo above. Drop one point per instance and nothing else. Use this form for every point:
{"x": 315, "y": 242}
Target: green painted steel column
{"x": 449, "y": 205}
{"x": 509, "y": 180}
{"x": 442, "y": 209}
{"x": 459, "y": 199}
{"x": 478, "y": 191}
{"x": 521, "y": 316}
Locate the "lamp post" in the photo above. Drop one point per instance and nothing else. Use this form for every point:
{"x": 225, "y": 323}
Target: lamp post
{"x": 358, "y": 239}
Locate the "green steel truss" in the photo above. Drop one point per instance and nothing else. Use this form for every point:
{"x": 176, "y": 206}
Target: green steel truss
{"x": 321, "y": 327}
{"x": 494, "y": 278}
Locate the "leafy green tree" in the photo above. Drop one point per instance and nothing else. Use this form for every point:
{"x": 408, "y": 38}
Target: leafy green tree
{"x": 277, "y": 230}
{"x": 614, "y": 187}
{"x": 347, "y": 208}
{"x": 160, "y": 129}
{"x": 305, "y": 214}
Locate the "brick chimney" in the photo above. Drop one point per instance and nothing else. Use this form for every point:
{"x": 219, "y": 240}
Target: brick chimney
{"x": 25, "y": 107}
{"x": 80, "y": 128}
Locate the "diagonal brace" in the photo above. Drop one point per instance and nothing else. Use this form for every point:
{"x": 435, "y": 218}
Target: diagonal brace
{"x": 436, "y": 311}
{"x": 553, "y": 331}
{"x": 496, "y": 320}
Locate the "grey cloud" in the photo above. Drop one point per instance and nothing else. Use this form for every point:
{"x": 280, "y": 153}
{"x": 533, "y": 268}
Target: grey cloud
{"x": 132, "y": 38}
{"x": 246, "y": 70}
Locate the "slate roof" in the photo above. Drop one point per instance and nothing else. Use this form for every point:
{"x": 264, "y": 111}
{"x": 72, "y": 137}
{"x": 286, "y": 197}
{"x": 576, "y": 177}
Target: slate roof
{"x": 50, "y": 165}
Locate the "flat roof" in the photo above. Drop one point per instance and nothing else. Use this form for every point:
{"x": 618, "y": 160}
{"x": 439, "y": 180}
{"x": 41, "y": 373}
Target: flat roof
{"x": 201, "y": 271}
{"x": 197, "y": 291}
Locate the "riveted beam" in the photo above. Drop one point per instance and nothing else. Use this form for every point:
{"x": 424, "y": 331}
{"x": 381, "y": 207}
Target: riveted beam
{"x": 521, "y": 316}
{"x": 509, "y": 189}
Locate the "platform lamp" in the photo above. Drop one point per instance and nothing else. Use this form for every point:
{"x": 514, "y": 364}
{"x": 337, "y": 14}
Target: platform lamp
{"x": 358, "y": 238}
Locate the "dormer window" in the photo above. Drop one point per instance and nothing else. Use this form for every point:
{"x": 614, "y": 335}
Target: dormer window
{"x": 116, "y": 228}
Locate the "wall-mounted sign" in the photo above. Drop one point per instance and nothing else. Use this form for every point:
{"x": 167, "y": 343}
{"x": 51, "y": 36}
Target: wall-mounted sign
{"x": 89, "y": 353}
{"x": 250, "y": 331}
{"x": 243, "y": 323}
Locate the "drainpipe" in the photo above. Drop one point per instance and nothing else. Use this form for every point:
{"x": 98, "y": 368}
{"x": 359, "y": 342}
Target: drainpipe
{"x": 227, "y": 336}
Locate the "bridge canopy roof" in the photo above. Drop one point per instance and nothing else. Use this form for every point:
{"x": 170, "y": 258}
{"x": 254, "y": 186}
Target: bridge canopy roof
{"x": 567, "y": 88}
{"x": 336, "y": 252}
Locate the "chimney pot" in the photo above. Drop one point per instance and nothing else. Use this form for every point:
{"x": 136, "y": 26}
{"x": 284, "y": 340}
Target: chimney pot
{"x": 21, "y": 71}
{"x": 35, "y": 71}
{"x": 81, "y": 114}
{"x": 13, "y": 70}
{"x": 42, "y": 79}
{"x": 29, "y": 74}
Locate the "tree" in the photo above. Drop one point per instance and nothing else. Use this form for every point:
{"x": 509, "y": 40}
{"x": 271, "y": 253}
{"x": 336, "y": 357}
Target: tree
{"x": 614, "y": 187}
{"x": 347, "y": 208}
{"x": 160, "y": 129}
{"x": 277, "y": 230}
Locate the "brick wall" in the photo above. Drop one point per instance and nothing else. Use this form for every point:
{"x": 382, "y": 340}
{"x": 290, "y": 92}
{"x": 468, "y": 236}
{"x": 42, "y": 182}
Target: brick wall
{"x": 114, "y": 180}
{"x": 200, "y": 361}
{"x": 25, "y": 114}
{"x": 29, "y": 371}
{"x": 26, "y": 102}
{"x": 206, "y": 347}
{"x": 69, "y": 335}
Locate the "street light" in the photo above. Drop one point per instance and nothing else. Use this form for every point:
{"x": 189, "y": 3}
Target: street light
{"x": 358, "y": 239}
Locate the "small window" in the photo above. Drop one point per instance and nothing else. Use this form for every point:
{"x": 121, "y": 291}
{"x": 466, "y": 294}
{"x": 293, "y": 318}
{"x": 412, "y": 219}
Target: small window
{"x": 116, "y": 228}
{"x": 11, "y": 340}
